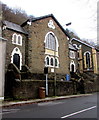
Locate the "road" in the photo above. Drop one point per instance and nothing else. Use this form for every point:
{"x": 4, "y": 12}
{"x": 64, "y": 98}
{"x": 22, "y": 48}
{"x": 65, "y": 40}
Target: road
{"x": 80, "y": 107}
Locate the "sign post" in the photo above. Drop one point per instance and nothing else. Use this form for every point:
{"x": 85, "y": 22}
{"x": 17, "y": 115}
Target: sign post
{"x": 47, "y": 84}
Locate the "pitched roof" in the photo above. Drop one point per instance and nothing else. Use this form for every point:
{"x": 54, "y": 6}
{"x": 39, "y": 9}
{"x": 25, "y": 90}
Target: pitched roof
{"x": 81, "y": 42}
{"x": 14, "y": 27}
{"x": 46, "y": 16}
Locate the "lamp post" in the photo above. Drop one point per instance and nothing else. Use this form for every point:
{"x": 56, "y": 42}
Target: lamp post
{"x": 68, "y": 24}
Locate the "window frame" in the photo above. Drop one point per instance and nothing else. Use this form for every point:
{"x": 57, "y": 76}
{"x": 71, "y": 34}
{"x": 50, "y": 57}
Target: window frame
{"x": 49, "y": 42}
{"x": 51, "y": 65}
{"x": 87, "y": 64}
{"x": 16, "y": 50}
{"x": 17, "y": 40}
{"x": 72, "y": 54}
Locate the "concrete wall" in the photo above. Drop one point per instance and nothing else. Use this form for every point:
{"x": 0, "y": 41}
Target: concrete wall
{"x": 2, "y": 66}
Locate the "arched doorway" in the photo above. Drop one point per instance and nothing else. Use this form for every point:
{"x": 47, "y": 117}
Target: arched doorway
{"x": 72, "y": 68}
{"x": 16, "y": 57}
{"x": 16, "y": 60}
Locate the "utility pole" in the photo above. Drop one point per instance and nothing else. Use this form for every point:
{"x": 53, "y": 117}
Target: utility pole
{"x": 55, "y": 70}
{"x": 46, "y": 84}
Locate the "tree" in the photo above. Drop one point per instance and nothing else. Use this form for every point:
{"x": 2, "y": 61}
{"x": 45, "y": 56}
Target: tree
{"x": 16, "y": 15}
{"x": 72, "y": 34}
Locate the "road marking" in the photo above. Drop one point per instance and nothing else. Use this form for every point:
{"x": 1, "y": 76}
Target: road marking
{"x": 79, "y": 112}
{"x": 6, "y": 111}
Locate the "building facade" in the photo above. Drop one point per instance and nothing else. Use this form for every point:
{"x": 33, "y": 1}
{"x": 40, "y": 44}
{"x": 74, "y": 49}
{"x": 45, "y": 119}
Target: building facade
{"x": 16, "y": 38}
{"x": 41, "y": 43}
{"x": 73, "y": 55}
{"x": 87, "y": 56}
{"x": 38, "y": 43}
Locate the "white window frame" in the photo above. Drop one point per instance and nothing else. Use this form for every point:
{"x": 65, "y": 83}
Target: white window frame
{"x": 17, "y": 35}
{"x": 14, "y": 39}
{"x": 46, "y": 65}
{"x": 20, "y": 40}
{"x": 72, "y": 54}
{"x": 85, "y": 58}
{"x": 57, "y": 62}
{"x": 16, "y": 50}
{"x": 46, "y": 61}
{"x": 56, "y": 40}
{"x": 53, "y": 61}
{"x": 72, "y": 63}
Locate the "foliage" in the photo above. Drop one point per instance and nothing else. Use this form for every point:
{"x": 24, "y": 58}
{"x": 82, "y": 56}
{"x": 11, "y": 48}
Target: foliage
{"x": 15, "y": 15}
{"x": 72, "y": 34}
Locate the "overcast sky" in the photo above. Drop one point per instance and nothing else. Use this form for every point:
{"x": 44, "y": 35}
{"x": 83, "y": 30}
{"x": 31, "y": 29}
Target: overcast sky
{"x": 81, "y": 13}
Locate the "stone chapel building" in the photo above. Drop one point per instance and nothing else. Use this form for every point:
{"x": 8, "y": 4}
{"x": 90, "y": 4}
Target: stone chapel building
{"x": 41, "y": 43}
{"x": 38, "y": 43}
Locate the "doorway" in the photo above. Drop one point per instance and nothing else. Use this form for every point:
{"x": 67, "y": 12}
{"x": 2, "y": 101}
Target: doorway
{"x": 16, "y": 60}
{"x": 16, "y": 57}
{"x": 72, "y": 68}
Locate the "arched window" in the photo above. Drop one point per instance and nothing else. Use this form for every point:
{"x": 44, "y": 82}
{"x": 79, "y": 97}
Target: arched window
{"x": 72, "y": 66}
{"x": 17, "y": 39}
{"x": 56, "y": 62}
{"x": 51, "y": 41}
{"x": 87, "y": 59}
{"x": 14, "y": 38}
{"x": 52, "y": 61}
{"x": 47, "y": 61}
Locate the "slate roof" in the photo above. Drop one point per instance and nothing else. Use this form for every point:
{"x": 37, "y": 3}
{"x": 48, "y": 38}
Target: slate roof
{"x": 81, "y": 42}
{"x": 46, "y": 16}
{"x": 14, "y": 27}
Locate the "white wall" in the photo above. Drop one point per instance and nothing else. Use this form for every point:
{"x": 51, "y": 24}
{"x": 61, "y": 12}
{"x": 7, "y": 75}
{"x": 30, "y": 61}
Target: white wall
{"x": 2, "y": 66}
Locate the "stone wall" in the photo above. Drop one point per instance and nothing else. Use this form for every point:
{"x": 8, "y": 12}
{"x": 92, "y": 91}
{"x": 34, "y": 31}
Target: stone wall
{"x": 36, "y": 47}
{"x": 29, "y": 89}
{"x": 84, "y": 49}
{"x": 93, "y": 85}
{"x": 8, "y": 35}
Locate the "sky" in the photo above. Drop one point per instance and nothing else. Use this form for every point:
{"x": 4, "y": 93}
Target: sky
{"x": 81, "y": 13}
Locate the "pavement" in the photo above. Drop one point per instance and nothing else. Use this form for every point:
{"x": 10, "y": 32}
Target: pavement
{"x": 46, "y": 99}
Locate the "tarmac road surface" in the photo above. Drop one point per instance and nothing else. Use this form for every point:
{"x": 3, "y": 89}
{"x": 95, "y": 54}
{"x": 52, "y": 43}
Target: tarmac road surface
{"x": 80, "y": 107}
